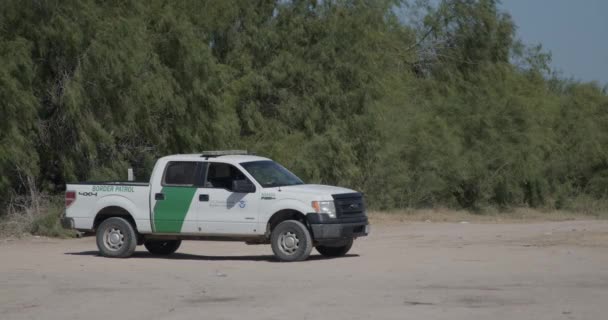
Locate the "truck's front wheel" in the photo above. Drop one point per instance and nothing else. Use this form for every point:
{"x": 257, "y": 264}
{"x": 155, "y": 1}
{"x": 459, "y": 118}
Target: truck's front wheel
{"x": 291, "y": 241}
{"x": 116, "y": 238}
{"x": 162, "y": 247}
{"x": 337, "y": 249}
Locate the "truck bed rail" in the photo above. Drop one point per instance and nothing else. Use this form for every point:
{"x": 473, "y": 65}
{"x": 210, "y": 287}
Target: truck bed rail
{"x": 123, "y": 183}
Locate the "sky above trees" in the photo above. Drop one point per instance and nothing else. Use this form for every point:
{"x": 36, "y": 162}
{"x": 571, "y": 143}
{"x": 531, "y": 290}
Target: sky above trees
{"x": 574, "y": 31}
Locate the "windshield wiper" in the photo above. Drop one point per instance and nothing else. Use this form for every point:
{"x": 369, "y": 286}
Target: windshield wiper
{"x": 284, "y": 185}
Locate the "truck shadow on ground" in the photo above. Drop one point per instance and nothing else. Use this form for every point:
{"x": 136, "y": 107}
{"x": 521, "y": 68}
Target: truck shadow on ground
{"x": 187, "y": 256}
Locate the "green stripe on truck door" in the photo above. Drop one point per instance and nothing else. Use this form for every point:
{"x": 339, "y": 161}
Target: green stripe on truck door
{"x": 169, "y": 214}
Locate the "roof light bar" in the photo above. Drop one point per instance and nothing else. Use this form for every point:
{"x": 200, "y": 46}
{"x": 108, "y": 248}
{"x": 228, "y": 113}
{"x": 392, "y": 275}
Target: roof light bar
{"x": 217, "y": 153}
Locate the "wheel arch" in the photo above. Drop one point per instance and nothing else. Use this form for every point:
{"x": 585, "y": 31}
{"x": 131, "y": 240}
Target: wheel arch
{"x": 283, "y": 215}
{"x": 120, "y": 206}
{"x": 113, "y": 211}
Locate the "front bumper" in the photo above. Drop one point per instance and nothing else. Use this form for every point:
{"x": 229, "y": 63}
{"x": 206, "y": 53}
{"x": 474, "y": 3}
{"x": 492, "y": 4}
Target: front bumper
{"x": 325, "y": 228}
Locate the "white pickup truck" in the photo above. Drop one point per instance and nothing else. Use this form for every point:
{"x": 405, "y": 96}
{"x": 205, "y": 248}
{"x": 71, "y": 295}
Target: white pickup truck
{"x": 217, "y": 195}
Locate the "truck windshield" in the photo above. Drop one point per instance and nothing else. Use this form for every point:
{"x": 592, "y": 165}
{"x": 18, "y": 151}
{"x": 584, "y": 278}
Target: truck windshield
{"x": 271, "y": 174}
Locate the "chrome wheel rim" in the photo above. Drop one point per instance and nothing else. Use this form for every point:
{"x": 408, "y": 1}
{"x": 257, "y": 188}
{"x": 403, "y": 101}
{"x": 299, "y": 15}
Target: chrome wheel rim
{"x": 113, "y": 239}
{"x": 289, "y": 242}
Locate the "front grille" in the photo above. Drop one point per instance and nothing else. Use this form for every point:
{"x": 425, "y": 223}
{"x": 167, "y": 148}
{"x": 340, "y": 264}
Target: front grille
{"x": 349, "y": 204}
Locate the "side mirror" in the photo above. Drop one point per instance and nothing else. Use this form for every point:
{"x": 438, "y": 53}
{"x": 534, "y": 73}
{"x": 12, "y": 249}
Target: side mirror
{"x": 243, "y": 186}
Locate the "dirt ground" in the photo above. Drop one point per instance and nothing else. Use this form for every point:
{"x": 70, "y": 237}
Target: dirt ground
{"x": 541, "y": 270}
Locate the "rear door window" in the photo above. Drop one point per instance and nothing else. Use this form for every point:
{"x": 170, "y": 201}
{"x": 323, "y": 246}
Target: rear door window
{"x": 182, "y": 173}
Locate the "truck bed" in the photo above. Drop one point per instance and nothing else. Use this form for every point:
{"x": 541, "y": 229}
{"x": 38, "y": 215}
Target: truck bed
{"x": 93, "y": 196}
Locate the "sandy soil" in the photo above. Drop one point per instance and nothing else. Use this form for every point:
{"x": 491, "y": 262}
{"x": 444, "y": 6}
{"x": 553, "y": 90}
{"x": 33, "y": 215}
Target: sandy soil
{"x": 548, "y": 270}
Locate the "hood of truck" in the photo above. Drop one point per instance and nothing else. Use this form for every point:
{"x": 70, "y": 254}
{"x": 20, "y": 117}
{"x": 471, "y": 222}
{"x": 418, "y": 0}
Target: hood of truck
{"x": 315, "y": 189}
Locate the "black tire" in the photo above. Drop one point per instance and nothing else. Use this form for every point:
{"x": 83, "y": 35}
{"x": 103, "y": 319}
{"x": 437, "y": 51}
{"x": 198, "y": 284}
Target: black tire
{"x": 291, "y": 241}
{"x": 116, "y": 238}
{"x": 162, "y": 247}
{"x": 338, "y": 249}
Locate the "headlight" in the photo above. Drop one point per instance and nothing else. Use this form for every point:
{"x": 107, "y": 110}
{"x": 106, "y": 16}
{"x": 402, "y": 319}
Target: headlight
{"x": 325, "y": 207}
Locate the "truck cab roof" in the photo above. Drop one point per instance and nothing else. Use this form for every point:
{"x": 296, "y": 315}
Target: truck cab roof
{"x": 231, "y": 158}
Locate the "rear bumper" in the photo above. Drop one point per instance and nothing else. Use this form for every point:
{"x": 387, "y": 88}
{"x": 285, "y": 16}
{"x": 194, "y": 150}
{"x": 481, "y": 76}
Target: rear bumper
{"x": 67, "y": 223}
{"x": 325, "y": 228}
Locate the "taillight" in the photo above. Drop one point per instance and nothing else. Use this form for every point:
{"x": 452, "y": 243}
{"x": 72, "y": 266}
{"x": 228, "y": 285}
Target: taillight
{"x": 70, "y": 197}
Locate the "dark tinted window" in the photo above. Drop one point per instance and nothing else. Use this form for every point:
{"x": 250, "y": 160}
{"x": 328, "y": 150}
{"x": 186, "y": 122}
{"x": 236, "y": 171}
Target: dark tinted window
{"x": 221, "y": 175}
{"x": 180, "y": 173}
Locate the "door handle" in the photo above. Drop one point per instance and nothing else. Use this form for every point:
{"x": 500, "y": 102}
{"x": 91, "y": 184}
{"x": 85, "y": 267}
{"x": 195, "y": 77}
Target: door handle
{"x": 203, "y": 197}
{"x": 159, "y": 196}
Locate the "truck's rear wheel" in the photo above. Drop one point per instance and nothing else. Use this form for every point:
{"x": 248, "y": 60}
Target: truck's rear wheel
{"x": 337, "y": 249}
{"x": 116, "y": 238}
{"x": 291, "y": 241}
{"x": 162, "y": 247}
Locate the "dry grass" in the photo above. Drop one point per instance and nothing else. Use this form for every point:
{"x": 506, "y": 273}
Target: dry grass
{"x": 38, "y": 214}
{"x": 34, "y": 213}
{"x": 40, "y": 220}
{"x": 520, "y": 215}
